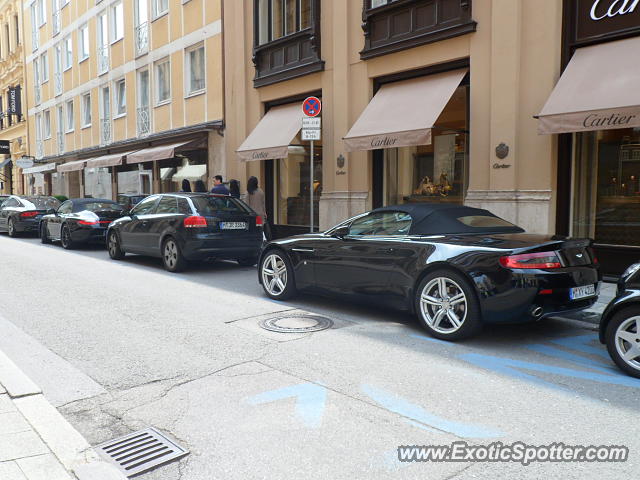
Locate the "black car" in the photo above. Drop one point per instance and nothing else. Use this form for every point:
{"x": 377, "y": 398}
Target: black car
{"x": 22, "y": 214}
{"x": 455, "y": 267}
{"x": 130, "y": 200}
{"x": 79, "y": 220}
{"x": 620, "y": 323}
{"x": 184, "y": 227}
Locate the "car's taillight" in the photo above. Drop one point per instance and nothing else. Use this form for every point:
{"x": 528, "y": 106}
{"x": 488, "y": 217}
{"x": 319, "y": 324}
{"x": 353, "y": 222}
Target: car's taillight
{"x": 28, "y": 214}
{"x": 259, "y": 221}
{"x": 532, "y": 260}
{"x": 195, "y": 221}
{"x": 83, "y": 222}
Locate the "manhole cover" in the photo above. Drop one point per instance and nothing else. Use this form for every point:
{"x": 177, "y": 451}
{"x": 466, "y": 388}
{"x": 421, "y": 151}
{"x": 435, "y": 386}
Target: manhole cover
{"x": 296, "y": 323}
{"x": 140, "y": 451}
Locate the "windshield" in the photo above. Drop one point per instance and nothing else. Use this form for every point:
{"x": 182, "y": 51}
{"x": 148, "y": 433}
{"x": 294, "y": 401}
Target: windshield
{"x": 40, "y": 203}
{"x": 215, "y": 205}
{"x": 98, "y": 207}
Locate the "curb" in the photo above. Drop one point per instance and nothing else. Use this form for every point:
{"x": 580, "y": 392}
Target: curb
{"x": 65, "y": 442}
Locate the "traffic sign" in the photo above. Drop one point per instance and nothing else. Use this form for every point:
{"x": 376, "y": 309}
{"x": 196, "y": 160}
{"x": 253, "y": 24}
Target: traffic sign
{"x": 312, "y": 123}
{"x": 312, "y": 107}
{"x": 310, "y": 134}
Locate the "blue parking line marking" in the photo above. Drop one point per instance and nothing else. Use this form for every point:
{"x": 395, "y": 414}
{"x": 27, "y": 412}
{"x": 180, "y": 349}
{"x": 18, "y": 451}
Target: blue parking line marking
{"x": 310, "y": 401}
{"x": 581, "y": 343}
{"x": 572, "y": 357}
{"x": 418, "y": 415}
{"x": 431, "y": 339}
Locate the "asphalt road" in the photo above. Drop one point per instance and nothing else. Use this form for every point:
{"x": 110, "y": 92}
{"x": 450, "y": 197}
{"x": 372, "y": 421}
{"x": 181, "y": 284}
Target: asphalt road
{"x": 119, "y": 346}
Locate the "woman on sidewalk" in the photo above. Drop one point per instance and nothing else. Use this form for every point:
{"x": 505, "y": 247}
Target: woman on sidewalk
{"x": 255, "y": 199}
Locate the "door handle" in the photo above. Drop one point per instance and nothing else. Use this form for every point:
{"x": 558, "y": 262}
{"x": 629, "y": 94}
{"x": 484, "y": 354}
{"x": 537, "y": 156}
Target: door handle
{"x": 303, "y": 250}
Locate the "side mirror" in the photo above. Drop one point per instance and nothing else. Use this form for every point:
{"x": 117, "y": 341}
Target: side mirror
{"x": 341, "y": 232}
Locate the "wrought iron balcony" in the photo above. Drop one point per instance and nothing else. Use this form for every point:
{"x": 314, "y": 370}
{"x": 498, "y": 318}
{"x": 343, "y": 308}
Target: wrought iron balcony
{"x": 35, "y": 38}
{"x": 57, "y": 76}
{"x": 38, "y": 94}
{"x": 103, "y": 59}
{"x": 105, "y": 131}
{"x": 55, "y": 17}
{"x": 142, "y": 38}
{"x": 60, "y": 138}
{"x": 143, "y": 121}
{"x": 39, "y": 149}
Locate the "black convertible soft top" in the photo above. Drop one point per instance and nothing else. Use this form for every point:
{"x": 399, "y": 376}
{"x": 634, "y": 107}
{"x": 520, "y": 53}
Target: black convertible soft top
{"x": 447, "y": 219}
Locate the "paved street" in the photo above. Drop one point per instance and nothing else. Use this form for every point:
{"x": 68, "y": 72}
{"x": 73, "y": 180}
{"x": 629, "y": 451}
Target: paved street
{"x": 119, "y": 346}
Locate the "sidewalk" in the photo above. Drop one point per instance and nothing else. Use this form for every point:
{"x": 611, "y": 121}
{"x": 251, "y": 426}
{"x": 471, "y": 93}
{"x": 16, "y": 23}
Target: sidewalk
{"x": 36, "y": 442}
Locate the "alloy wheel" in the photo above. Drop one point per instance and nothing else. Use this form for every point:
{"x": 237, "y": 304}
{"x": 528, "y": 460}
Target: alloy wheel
{"x": 66, "y": 237}
{"x": 11, "y": 228}
{"x": 113, "y": 245}
{"x": 274, "y": 274}
{"x": 627, "y": 341}
{"x": 170, "y": 254}
{"x": 443, "y": 305}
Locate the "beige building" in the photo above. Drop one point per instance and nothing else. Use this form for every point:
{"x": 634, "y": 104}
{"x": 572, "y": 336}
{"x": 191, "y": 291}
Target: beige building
{"x": 437, "y": 100}
{"x": 125, "y": 96}
{"x": 13, "y": 127}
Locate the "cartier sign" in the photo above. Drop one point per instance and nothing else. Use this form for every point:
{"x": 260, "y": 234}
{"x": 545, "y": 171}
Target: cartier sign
{"x": 602, "y": 9}
{"x": 600, "y": 20}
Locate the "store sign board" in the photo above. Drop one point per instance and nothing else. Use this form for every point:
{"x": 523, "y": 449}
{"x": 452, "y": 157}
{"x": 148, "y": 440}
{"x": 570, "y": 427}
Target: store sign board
{"x": 5, "y": 147}
{"x": 310, "y": 134}
{"x": 590, "y": 121}
{"x": 15, "y": 100}
{"x": 24, "y": 162}
{"x": 603, "y": 19}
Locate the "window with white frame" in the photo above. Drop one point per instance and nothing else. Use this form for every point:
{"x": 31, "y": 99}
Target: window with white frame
{"x": 39, "y": 127}
{"x": 36, "y": 72}
{"x": 120, "y": 105}
{"x": 195, "y": 69}
{"x": 34, "y": 27}
{"x": 44, "y": 67}
{"x": 55, "y": 16}
{"x": 68, "y": 53}
{"x": 70, "y": 117}
{"x": 60, "y": 118}
{"x": 86, "y": 110}
{"x": 163, "y": 81}
{"x": 83, "y": 42}
{"x": 103, "y": 43}
{"x": 46, "y": 130}
{"x": 58, "y": 87}
{"x": 42, "y": 12}
{"x": 105, "y": 104}
{"x": 160, "y": 7}
{"x": 117, "y": 22}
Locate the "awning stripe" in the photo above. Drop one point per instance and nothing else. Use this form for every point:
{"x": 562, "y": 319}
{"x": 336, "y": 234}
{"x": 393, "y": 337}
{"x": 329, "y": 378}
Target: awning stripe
{"x": 161, "y": 152}
{"x": 111, "y": 160}
{"x": 48, "y": 167}
{"x": 72, "y": 166}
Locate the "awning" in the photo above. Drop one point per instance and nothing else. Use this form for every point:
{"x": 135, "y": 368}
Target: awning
{"x": 597, "y": 91}
{"x": 161, "y": 152}
{"x": 47, "y": 167}
{"x": 5, "y": 162}
{"x": 273, "y": 134}
{"x": 190, "y": 172}
{"x": 72, "y": 166}
{"x": 403, "y": 113}
{"x": 111, "y": 160}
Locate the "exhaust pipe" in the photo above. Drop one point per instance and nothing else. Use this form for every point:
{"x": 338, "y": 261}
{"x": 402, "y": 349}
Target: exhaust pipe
{"x": 536, "y": 311}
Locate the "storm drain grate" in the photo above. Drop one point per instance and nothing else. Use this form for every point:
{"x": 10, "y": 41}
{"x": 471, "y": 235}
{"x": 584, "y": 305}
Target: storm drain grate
{"x": 140, "y": 451}
{"x": 296, "y": 323}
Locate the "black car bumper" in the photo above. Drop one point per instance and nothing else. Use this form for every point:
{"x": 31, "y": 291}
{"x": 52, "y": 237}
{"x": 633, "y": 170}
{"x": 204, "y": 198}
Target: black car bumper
{"x": 30, "y": 225}
{"x": 89, "y": 234}
{"x": 198, "y": 249}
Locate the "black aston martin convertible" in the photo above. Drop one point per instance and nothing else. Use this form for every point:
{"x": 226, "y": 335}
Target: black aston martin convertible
{"x": 455, "y": 267}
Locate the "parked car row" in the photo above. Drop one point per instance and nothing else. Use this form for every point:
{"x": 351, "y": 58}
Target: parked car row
{"x": 455, "y": 267}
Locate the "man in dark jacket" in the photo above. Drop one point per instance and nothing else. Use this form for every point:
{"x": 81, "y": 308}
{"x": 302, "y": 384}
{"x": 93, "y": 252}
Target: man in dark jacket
{"x": 218, "y": 187}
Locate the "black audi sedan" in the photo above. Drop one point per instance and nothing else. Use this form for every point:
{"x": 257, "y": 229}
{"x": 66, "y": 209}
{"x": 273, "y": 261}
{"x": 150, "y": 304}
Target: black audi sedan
{"x": 620, "y": 323}
{"x": 79, "y": 220}
{"x": 22, "y": 214}
{"x": 183, "y": 227}
{"x": 455, "y": 267}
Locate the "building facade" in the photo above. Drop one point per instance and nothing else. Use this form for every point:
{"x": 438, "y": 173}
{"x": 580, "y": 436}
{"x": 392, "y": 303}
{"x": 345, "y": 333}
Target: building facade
{"x": 13, "y": 125}
{"x": 125, "y": 97}
{"x": 423, "y": 100}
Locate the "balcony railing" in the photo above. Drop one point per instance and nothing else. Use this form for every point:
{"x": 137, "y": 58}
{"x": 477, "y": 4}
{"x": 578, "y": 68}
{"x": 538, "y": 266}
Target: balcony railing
{"x": 60, "y": 138}
{"x": 105, "y": 131}
{"x": 57, "y": 80}
{"x": 39, "y": 149}
{"x": 143, "y": 120}
{"x": 55, "y": 18}
{"x": 103, "y": 59}
{"x": 38, "y": 94}
{"x": 35, "y": 38}
{"x": 142, "y": 38}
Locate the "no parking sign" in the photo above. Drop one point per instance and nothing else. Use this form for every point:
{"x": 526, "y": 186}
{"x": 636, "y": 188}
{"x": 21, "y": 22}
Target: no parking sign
{"x": 312, "y": 106}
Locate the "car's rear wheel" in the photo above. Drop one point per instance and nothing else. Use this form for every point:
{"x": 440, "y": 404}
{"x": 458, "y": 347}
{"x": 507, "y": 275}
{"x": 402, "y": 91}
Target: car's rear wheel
{"x": 172, "y": 257}
{"x": 276, "y": 274}
{"x": 65, "y": 238}
{"x": 447, "y": 306}
{"x": 11, "y": 228}
{"x": 247, "y": 262}
{"x": 113, "y": 245}
{"x": 44, "y": 237}
{"x": 623, "y": 340}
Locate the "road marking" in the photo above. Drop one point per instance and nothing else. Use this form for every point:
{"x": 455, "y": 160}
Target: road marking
{"x": 310, "y": 401}
{"x": 418, "y": 416}
{"x": 581, "y": 344}
{"x": 572, "y": 357}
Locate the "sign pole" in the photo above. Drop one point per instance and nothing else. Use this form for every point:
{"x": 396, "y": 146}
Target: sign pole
{"x": 311, "y": 126}
{"x": 311, "y": 185}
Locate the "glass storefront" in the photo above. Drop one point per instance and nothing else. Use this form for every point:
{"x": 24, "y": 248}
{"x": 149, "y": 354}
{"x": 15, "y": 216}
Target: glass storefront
{"x": 291, "y": 185}
{"x": 435, "y": 172}
{"x": 135, "y": 179}
{"x": 97, "y": 182}
{"x": 190, "y": 165}
{"x": 606, "y": 187}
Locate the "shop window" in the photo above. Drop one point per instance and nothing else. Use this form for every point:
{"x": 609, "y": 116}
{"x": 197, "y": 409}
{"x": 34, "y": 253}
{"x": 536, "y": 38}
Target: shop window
{"x": 287, "y": 39}
{"x": 606, "y": 191}
{"x": 188, "y": 165}
{"x": 394, "y": 25}
{"x": 291, "y": 185}
{"x": 435, "y": 172}
{"x": 97, "y": 182}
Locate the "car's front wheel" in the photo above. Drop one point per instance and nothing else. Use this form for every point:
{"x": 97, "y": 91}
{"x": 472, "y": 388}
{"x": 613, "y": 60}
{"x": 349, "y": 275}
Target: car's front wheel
{"x": 447, "y": 306}
{"x": 113, "y": 245}
{"x": 276, "y": 274}
{"x": 11, "y": 228}
{"x": 44, "y": 237}
{"x": 172, "y": 257}
{"x": 65, "y": 238}
{"x": 623, "y": 340}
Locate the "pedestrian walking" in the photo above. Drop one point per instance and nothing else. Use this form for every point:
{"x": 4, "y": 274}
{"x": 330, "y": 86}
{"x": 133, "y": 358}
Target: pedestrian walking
{"x": 218, "y": 186}
{"x": 186, "y": 185}
{"x": 255, "y": 199}
{"x": 200, "y": 186}
{"x": 234, "y": 188}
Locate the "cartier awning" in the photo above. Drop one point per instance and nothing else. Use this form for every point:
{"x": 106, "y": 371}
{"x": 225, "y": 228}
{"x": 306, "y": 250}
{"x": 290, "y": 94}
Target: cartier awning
{"x": 47, "y": 167}
{"x": 273, "y": 134}
{"x": 72, "y": 166}
{"x": 162, "y": 152}
{"x": 597, "y": 91}
{"x": 403, "y": 113}
{"x": 111, "y": 160}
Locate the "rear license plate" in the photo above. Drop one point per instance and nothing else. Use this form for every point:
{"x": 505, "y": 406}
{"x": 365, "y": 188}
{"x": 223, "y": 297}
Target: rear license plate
{"x": 233, "y": 225}
{"x": 585, "y": 291}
